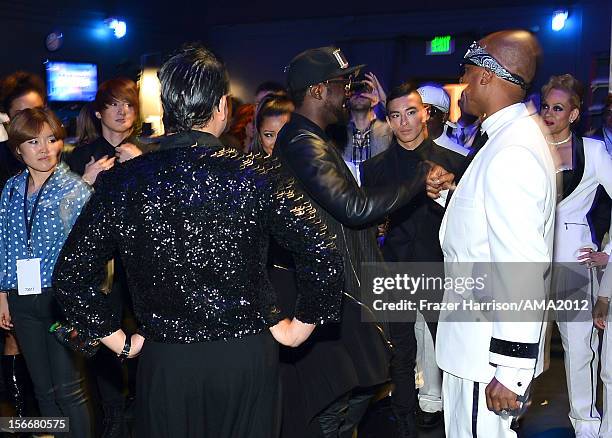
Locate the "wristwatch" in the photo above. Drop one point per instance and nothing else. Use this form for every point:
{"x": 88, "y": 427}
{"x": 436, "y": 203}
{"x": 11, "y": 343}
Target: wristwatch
{"x": 126, "y": 348}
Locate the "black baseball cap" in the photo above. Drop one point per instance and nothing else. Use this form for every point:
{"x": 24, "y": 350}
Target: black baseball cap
{"x": 317, "y": 65}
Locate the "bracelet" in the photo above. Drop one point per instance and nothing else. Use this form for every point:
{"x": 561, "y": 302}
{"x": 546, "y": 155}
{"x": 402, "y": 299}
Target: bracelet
{"x": 126, "y": 348}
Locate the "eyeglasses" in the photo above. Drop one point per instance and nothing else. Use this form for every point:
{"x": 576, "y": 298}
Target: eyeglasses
{"x": 348, "y": 82}
{"x": 432, "y": 109}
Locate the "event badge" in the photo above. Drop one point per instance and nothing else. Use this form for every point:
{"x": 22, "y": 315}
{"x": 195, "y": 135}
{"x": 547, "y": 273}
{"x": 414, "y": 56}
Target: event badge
{"x": 28, "y": 277}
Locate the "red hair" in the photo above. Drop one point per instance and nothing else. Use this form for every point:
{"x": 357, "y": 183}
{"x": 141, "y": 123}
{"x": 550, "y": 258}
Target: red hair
{"x": 242, "y": 117}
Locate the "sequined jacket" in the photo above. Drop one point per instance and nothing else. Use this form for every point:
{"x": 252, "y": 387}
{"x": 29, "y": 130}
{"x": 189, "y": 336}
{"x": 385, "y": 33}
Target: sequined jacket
{"x": 192, "y": 224}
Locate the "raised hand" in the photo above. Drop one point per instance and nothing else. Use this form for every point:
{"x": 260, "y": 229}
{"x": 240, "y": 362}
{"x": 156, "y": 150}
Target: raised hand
{"x": 438, "y": 179}
{"x": 126, "y": 152}
{"x": 378, "y": 93}
{"x": 93, "y": 168}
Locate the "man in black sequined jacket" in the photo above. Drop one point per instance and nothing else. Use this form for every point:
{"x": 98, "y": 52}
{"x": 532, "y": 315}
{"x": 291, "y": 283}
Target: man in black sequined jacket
{"x": 192, "y": 223}
{"x": 318, "y": 81}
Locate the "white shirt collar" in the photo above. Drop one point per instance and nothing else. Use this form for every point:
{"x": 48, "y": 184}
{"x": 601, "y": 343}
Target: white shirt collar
{"x": 458, "y": 124}
{"x": 448, "y": 143}
{"x": 498, "y": 119}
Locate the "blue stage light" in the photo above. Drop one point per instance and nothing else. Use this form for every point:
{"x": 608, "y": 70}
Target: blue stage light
{"x": 558, "y": 20}
{"x": 118, "y": 26}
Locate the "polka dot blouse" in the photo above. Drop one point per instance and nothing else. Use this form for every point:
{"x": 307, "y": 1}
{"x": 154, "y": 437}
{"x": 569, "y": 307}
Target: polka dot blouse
{"x": 59, "y": 205}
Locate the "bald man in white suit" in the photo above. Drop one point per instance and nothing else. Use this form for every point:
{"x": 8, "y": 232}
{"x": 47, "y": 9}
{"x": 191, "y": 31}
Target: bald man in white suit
{"x": 501, "y": 212}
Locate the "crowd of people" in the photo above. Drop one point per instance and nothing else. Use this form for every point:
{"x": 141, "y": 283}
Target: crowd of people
{"x": 211, "y": 281}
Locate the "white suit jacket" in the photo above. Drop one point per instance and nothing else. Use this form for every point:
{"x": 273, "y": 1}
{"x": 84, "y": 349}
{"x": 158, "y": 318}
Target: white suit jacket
{"x": 502, "y": 210}
{"x": 592, "y": 167}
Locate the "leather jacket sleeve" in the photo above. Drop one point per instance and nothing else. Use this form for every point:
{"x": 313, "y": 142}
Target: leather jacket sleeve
{"x": 318, "y": 167}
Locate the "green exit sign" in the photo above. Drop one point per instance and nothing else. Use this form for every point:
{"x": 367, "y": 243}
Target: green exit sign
{"x": 440, "y": 45}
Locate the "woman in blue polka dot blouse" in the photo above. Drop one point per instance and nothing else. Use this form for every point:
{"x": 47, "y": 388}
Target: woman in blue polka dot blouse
{"x": 38, "y": 208}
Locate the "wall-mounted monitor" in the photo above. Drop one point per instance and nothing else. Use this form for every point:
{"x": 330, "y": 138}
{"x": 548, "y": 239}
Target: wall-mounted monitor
{"x": 71, "y": 81}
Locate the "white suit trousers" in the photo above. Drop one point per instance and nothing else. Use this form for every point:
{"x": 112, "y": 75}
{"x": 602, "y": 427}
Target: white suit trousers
{"x": 606, "y": 377}
{"x": 580, "y": 342}
{"x": 466, "y": 414}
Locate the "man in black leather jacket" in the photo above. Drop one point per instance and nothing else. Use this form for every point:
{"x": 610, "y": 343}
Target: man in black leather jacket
{"x": 319, "y": 83}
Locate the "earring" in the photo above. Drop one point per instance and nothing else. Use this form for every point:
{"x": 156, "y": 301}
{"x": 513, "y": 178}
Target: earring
{"x": 315, "y": 93}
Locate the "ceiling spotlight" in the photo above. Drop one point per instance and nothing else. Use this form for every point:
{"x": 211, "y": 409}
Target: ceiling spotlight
{"x": 558, "y": 20}
{"x": 118, "y": 26}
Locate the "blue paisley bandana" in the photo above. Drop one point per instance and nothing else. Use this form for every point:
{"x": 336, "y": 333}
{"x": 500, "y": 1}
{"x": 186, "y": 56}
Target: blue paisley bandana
{"x": 478, "y": 56}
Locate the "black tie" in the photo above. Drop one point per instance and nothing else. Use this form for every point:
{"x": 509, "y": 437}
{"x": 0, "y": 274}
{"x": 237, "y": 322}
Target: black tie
{"x": 479, "y": 141}
{"x": 461, "y": 136}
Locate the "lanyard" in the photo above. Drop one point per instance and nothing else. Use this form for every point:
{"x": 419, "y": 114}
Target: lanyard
{"x": 30, "y": 222}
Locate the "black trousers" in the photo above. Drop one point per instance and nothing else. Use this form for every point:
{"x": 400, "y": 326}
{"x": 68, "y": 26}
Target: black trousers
{"x": 58, "y": 384}
{"x": 105, "y": 366}
{"x": 403, "y": 361}
{"x": 107, "y": 369}
{"x": 217, "y": 389}
{"x": 404, "y": 397}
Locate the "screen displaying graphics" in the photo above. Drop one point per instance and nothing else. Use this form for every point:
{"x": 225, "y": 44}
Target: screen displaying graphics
{"x": 71, "y": 81}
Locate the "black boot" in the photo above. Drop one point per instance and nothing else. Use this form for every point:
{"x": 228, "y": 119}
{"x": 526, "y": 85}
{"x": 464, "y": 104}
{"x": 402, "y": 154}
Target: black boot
{"x": 114, "y": 422}
{"x": 429, "y": 420}
{"x": 15, "y": 377}
{"x": 406, "y": 425}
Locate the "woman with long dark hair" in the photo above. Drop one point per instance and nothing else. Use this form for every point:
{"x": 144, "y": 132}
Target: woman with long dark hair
{"x": 272, "y": 113}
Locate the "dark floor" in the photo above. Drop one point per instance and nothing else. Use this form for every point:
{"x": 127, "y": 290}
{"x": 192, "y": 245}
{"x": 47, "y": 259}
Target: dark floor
{"x": 545, "y": 418}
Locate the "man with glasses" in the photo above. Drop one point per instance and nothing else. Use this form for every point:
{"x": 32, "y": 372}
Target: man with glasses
{"x": 437, "y": 103}
{"x": 355, "y": 356}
